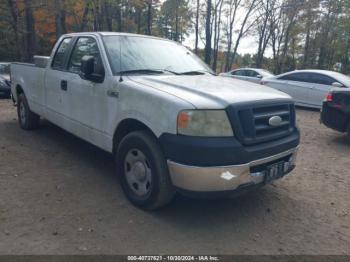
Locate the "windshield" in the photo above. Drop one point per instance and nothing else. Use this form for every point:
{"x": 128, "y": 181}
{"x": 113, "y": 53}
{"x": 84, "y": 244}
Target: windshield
{"x": 4, "y": 69}
{"x": 142, "y": 53}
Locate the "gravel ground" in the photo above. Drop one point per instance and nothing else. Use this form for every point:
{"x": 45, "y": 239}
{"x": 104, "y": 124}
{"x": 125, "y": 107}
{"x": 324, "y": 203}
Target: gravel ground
{"x": 58, "y": 195}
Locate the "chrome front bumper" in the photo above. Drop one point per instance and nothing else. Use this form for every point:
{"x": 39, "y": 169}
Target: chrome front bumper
{"x": 223, "y": 178}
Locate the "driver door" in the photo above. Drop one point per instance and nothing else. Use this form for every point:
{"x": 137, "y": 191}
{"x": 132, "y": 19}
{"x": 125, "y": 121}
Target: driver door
{"x": 85, "y": 101}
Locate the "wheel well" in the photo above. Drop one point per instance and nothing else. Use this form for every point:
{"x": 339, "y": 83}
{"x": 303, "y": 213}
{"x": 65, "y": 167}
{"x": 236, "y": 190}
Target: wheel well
{"x": 125, "y": 127}
{"x": 19, "y": 90}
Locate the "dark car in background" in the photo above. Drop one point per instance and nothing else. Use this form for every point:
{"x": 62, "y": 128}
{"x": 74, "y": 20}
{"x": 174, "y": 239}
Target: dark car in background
{"x": 335, "y": 111}
{"x": 5, "y": 84}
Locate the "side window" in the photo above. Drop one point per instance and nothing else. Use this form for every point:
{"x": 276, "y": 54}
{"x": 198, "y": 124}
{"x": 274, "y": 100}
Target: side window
{"x": 58, "y": 60}
{"x": 251, "y": 73}
{"x": 298, "y": 77}
{"x": 322, "y": 79}
{"x": 84, "y": 46}
{"x": 238, "y": 73}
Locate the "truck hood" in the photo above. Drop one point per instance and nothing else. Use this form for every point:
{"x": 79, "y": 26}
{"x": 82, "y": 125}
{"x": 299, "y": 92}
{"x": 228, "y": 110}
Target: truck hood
{"x": 210, "y": 92}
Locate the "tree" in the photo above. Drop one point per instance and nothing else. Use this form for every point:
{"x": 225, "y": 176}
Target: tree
{"x": 217, "y": 30}
{"x": 244, "y": 28}
{"x": 207, "y": 51}
{"x": 60, "y": 18}
{"x": 231, "y": 17}
{"x": 197, "y": 28}
{"x": 263, "y": 29}
{"x": 30, "y": 37}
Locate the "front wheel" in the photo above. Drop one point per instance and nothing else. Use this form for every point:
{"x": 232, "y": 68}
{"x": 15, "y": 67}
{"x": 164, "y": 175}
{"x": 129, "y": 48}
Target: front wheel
{"x": 143, "y": 171}
{"x": 27, "y": 119}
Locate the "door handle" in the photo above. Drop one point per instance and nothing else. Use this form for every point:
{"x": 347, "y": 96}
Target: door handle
{"x": 64, "y": 85}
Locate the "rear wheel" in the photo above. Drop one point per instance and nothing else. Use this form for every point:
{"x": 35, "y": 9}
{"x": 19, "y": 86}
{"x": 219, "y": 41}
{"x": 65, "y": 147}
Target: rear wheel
{"x": 27, "y": 119}
{"x": 143, "y": 171}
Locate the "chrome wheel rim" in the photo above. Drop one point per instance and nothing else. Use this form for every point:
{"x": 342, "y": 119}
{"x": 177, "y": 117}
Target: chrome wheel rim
{"x": 138, "y": 172}
{"x": 22, "y": 112}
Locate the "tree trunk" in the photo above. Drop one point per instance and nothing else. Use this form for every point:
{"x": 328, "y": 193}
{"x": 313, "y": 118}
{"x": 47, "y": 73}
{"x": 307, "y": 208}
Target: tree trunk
{"x": 107, "y": 15}
{"x": 232, "y": 16}
{"x": 149, "y": 17}
{"x": 208, "y": 34}
{"x": 84, "y": 18}
{"x": 60, "y": 19}
{"x": 15, "y": 14}
{"x": 264, "y": 36}
{"x": 177, "y": 21}
{"x": 241, "y": 32}
{"x": 307, "y": 39}
{"x": 197, "y": 28}
{"x": 217, "y": 33}
{"x": 30, "y": 38}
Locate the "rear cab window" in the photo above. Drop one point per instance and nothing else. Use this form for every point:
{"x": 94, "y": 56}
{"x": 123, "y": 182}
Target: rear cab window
{"x": 60, "y": 55}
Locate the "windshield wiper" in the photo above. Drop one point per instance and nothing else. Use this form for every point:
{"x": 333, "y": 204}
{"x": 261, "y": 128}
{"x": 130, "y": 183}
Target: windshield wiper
{"x": 148, "y": 71}
{"x": 142, "y": 71}
{"x": 196, "y": 72}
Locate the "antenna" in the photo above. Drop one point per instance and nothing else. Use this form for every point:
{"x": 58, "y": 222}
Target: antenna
{"x": 120, "y": 60}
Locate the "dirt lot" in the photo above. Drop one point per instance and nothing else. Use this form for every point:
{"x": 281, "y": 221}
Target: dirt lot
{"x": 58, "y": 195}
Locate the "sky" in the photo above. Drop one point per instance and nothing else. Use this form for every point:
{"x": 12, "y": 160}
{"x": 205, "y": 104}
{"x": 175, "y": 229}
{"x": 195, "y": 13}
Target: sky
{"x": 248, "y": 44}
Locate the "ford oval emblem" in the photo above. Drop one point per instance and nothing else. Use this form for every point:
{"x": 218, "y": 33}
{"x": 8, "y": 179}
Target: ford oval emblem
{"x": 275, "y": 121}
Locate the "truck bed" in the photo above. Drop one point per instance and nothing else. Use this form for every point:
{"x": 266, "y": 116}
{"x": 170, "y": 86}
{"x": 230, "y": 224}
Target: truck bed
{"x": 29, "y": 78}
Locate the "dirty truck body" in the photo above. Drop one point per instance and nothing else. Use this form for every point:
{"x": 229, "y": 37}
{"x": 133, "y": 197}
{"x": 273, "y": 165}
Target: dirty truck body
{"x": 171, "y": 124}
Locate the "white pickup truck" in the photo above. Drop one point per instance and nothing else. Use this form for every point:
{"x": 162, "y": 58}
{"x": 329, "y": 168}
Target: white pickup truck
{"x": 171, "y": 123}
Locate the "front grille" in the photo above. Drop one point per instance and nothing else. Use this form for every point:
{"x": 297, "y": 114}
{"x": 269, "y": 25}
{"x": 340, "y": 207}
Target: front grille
{"x": 251, "y": 123}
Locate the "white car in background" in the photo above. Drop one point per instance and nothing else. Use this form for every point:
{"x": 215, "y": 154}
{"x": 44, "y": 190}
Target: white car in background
{"x": 248, "y": 74}
{"x": 307, "y": 87}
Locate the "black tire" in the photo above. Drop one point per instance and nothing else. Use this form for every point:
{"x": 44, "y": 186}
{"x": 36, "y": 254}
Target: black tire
{"x": 27, "y": 119}
{"x": 348, "y": 131}
{"x": 160, "y": 190}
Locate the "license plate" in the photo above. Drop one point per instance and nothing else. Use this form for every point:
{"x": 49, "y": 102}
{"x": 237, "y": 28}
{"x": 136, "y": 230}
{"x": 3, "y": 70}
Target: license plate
{"x": 274, "y": 171}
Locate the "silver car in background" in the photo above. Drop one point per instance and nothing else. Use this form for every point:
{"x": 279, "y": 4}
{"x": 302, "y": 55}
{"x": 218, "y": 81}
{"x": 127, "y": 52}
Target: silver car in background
{"x": 248, "y": 74}
{"x": 5, "y": 70}
{"x": 307, "y": 87}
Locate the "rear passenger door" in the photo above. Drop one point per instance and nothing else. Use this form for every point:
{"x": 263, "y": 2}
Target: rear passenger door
{"x": 55, "y": 75}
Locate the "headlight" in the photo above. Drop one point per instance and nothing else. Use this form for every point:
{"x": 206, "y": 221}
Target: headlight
{"x": 203, "y": 123}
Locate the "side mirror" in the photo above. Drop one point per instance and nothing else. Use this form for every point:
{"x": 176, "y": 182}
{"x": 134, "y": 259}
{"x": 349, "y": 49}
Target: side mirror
{"x": 259, "y": 76}
{"x": 88, "y": 70}
{"x": 337, "y": 84}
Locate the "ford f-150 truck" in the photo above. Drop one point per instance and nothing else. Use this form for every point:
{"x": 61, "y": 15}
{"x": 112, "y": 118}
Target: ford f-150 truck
{"x": 171, "y": 123}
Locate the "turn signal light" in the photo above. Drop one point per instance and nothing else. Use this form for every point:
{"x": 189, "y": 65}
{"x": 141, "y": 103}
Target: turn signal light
{"x": 182, "y": 120}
